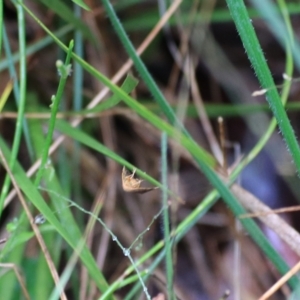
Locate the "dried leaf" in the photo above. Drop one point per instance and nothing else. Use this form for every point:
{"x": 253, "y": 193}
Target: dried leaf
{"x": 132, "y": 185}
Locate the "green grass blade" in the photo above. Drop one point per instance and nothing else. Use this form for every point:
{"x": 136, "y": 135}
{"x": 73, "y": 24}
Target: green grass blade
{"x": 78, "y": 79}
{"x": 166, "y": 219}
{"x": 284, "y": 96}
{"x": 255, "y": 54}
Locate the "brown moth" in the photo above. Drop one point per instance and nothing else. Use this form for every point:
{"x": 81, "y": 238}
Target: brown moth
{"x": 132, "y": 185}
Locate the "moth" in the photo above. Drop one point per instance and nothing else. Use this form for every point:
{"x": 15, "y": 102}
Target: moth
{"x": 132, "y": 185}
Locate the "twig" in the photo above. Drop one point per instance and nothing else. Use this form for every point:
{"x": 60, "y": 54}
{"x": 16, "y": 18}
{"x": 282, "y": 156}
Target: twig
{"x": 274, "y": 222}
{"x": 281, "y": 282}
{"x": 272, "y": 211}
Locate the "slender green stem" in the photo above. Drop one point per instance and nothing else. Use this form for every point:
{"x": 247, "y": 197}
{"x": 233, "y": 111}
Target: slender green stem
{"x": 16, "y": 91}
{"x": 166, "y": 219}
{"x": 64, "y": 71}
{"x": 78, "y": 72}
{"x": 77, "y": 103}
{"x": 22, "y": 101}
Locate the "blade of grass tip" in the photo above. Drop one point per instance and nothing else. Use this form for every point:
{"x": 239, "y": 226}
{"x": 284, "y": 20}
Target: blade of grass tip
{"x": 166, "y": 220}
{"x": 255, "y": 54}
{"x": 22, "y": 100}
{"x": 64, "y": 71}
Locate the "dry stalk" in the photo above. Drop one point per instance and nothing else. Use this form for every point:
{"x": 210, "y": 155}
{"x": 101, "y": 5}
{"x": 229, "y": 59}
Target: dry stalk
{"x": 280, "y": 282}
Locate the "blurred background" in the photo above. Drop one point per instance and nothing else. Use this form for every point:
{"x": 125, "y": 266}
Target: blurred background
{"x": 196, "y": 58}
